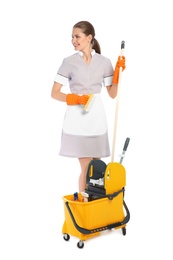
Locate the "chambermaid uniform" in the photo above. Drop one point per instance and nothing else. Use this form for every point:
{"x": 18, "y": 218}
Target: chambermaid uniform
{"x": 85, "y": 134}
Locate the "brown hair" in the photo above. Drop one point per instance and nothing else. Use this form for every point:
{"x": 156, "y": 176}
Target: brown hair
{"x": 87, "y": 28}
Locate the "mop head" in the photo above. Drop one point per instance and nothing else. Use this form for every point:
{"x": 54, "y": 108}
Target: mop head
{"x": 89, "y": 103}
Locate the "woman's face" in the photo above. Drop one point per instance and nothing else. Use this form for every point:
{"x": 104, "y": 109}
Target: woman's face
{"x": 80, "y": 41}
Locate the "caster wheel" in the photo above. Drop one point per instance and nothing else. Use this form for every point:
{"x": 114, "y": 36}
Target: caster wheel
{"x": 80, "y": 244}
{"x": 66, "y": 237}
{"x": 124, "y": 231}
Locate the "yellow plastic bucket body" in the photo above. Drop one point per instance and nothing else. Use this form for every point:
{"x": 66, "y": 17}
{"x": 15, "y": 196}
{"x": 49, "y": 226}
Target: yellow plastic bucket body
{"x": 92, "y": 215}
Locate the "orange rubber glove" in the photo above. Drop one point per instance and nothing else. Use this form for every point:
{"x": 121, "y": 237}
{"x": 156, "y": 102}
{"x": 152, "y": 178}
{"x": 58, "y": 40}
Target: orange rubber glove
{"x": 120, "y": 63}
{"x": 74, "y": 99}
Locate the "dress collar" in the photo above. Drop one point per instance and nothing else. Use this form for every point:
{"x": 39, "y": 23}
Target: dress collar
{"x": 92, "y": 52}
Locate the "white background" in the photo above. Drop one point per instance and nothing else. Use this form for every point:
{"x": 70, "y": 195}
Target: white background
{"x": 35, "y": 37}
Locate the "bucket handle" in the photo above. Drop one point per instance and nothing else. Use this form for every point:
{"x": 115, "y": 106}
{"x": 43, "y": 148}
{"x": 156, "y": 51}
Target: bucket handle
{"x": 95, "y": 230}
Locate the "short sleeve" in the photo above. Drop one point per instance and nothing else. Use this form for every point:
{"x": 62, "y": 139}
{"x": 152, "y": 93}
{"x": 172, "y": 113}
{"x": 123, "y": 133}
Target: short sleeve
{"x": 62, "y": 75}
{"x": 107, "y": 80}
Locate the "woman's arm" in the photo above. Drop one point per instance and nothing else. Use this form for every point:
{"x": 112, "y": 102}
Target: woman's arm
{"x": 112, "y": 90}
{"x": 56, "y": 92}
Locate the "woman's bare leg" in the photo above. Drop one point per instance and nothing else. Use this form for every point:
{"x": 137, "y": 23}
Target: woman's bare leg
{"x": 82, "y": 178}
{"x": 84, "y": 166}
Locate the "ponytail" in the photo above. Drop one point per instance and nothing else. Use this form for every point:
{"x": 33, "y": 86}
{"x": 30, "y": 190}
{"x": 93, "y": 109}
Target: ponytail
{"x": 96, "y": 46}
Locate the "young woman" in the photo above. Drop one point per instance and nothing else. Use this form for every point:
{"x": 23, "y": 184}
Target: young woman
{"x": 85, "y": 134}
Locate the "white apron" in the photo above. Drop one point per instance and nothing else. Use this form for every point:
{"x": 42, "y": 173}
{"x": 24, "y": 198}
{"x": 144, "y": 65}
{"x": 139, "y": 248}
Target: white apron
{"x": 79, "y": 122}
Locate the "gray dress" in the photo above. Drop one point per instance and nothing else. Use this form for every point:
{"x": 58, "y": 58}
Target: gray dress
{"x": 84, "y": 134}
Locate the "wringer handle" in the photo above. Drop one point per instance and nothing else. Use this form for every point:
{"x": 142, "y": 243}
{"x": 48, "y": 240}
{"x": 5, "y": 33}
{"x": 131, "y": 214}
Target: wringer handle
{"x": 124, "y": 149}
{"x": 126, "y": 144}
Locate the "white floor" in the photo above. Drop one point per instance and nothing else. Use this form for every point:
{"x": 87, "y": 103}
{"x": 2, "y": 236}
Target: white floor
{"x": 33, "y": 178}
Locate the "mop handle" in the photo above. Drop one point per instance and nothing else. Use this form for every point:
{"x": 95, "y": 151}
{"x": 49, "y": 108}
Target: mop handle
{"x": 117, "y": 104}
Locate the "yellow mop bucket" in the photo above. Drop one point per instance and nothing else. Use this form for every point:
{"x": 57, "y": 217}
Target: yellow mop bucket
{"x": 87, "y": 219}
